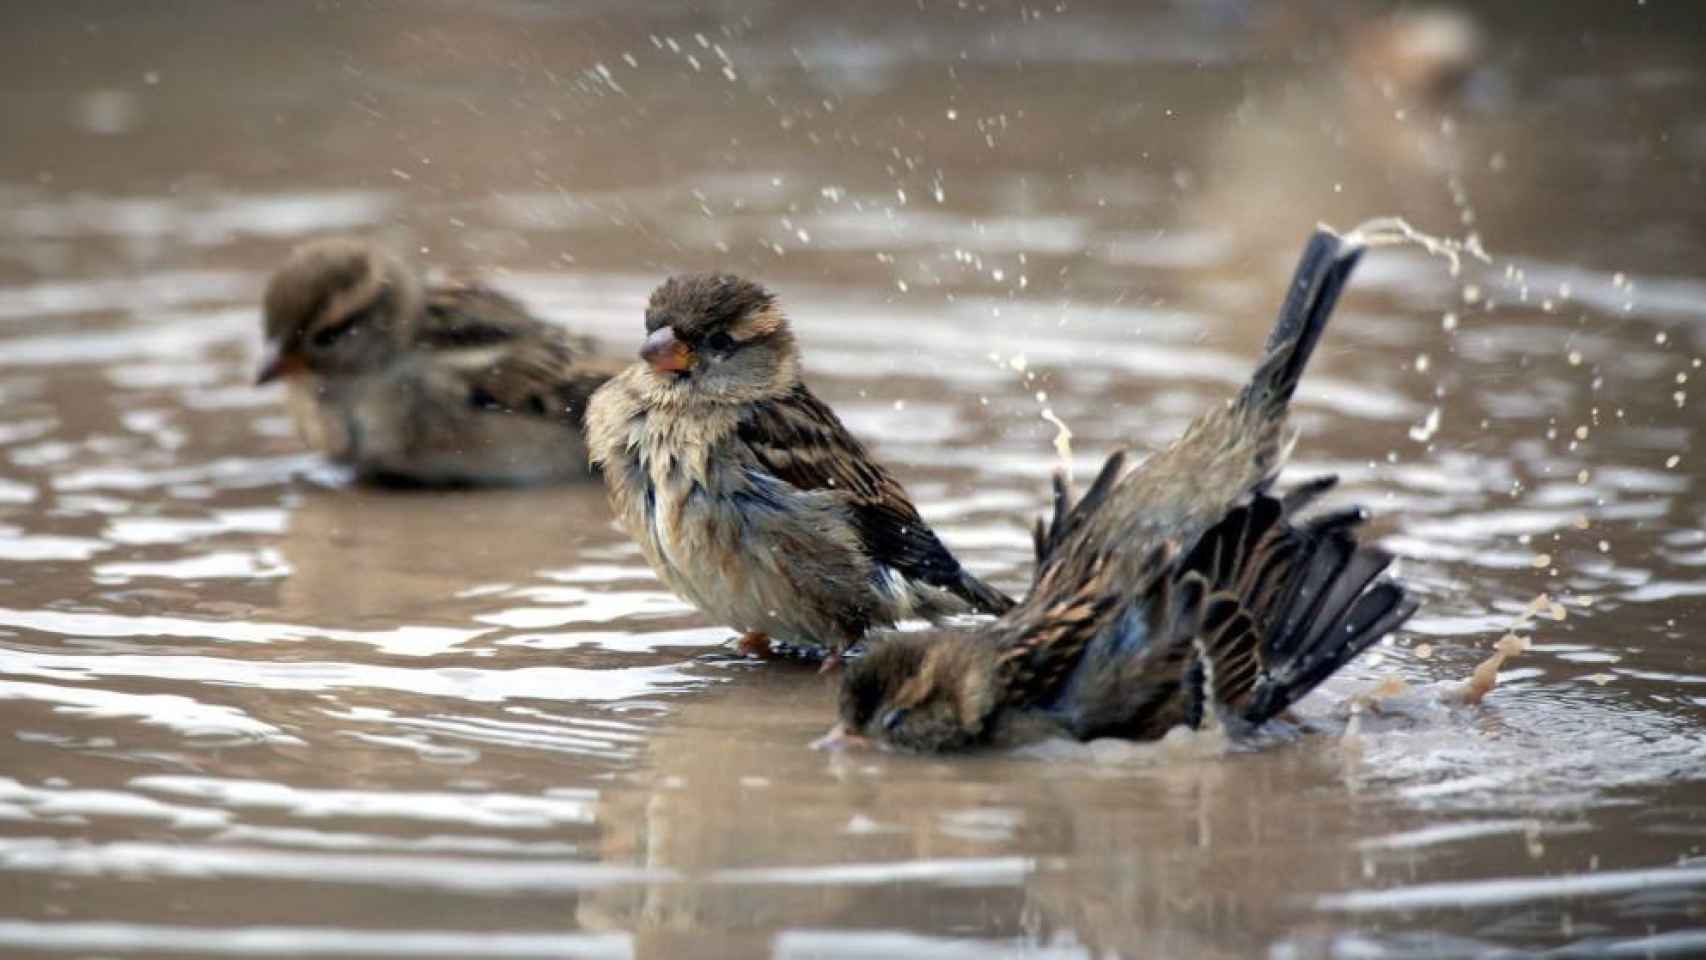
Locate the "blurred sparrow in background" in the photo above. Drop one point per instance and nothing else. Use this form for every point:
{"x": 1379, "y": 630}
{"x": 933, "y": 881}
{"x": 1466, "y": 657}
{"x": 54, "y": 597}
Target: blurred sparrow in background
{"x": 1174, "y": 592}
{"x": 745, "y": 492}
{"x": 451, "y": 384}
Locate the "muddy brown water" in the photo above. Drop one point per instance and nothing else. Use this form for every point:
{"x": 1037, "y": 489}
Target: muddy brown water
{"x": 252, "y": 710}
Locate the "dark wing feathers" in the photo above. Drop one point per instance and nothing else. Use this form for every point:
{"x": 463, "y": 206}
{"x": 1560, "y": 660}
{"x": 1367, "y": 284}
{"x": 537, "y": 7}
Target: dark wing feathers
{"x": 1293, "y": 602}
{"x": 1372, "y": 615}
{"x": 1255, "y": 614}
{"x": 537, "y": 378}
{"x": 798, "y": 439}
{"x": 1232, "y": 662}
{"x": 517, "y": 363}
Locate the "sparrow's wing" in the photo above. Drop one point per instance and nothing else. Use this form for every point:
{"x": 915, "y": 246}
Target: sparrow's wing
{"x": 1081, "y": 585}
{"x": 1079, "y": 603}
{"x": 1292, "y": 603}
{"x": 506, "y": 359}
{"x": 474, "y": 316}
{"x": 798, "y": 439}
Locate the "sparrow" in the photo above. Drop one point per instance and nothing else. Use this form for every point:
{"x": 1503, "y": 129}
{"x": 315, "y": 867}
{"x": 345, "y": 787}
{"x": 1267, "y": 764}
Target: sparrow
{"x": 1180, "y": 591}
{"x": 745, "y": 492}
{"x": 413, "y": 384}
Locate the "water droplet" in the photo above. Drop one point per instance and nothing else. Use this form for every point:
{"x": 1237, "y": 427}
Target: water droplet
{"x": 1424, "y": 431}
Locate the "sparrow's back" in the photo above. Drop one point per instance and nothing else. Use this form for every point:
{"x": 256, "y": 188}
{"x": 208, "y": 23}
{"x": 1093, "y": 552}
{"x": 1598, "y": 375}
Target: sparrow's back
{"x": 1183, "y": 585}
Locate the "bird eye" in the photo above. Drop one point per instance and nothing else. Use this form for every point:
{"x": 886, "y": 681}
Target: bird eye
{"x": 720, "y": 342}
{"x": 893, "y": 718}
{"x": 329, "y": 335}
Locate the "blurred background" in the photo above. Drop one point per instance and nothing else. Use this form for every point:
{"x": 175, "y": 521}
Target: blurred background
{"x": 253, "y": 709}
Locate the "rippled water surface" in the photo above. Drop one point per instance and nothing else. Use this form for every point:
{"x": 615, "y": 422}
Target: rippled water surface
{"x": 253, "y": 710}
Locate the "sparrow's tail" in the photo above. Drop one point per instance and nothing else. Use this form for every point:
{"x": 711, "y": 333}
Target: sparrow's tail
{"x": 1289, "y": 603}
{"x": 1320, "y": 277}
{"x": 982, "y": 597}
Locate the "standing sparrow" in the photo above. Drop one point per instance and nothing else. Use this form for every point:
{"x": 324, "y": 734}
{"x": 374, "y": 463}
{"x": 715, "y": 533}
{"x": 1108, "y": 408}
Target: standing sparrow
{"x": 451, "y": 384}
{"x": 1174, "y": 591}
{"x": 745, "y": 492}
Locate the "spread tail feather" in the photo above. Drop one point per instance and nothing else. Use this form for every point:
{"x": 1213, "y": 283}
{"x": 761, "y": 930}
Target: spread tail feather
{"x": 1321, "y": 276}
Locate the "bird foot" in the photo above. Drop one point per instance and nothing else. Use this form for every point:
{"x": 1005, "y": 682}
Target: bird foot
{"x": 754, "y": 644}
{"x": 759, "y": 646}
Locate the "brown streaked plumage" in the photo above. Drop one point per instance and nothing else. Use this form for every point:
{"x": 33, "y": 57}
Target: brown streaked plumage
{"x": 1175, "y": 591}
{"x": 745, "y": 492}
{"x": 446, "y": 384}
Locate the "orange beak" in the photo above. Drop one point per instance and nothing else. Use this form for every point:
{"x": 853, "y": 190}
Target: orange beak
{"x": 665, "y": 353}
{"x": 276, "y": 363}
{"x": 840, "y": 738}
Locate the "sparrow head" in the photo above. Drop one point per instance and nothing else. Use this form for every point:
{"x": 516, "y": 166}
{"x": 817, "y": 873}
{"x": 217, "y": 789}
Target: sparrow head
{"x": 336, "y": 306}
{"x": 924, "y": 692}
{"x": 719, "y": 336}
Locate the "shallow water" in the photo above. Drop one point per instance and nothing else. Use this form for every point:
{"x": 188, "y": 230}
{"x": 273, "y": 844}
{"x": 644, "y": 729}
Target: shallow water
{"x": 257, "y": 711}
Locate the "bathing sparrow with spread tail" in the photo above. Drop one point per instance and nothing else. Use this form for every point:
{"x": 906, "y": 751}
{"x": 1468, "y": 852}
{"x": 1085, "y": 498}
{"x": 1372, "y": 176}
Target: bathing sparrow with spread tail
{"x": 745, "y": 492}
{"x": 1177, "y": 591}
{"x": 433, "y": 385}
